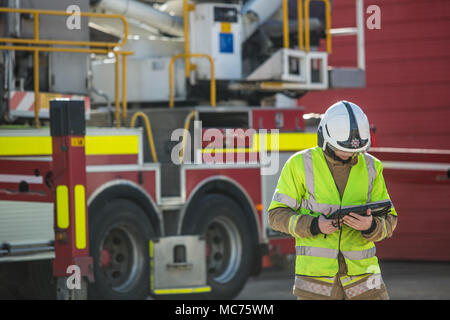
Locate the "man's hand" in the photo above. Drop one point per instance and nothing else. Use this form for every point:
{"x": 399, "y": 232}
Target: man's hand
{"x": 326, "y": 226}
{"x": 358, "y": 222}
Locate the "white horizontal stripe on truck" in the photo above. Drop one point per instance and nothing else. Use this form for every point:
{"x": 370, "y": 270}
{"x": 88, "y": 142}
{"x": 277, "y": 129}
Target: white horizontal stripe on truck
{"x": 17, "y": 178}
{"x": 427, "y": 166}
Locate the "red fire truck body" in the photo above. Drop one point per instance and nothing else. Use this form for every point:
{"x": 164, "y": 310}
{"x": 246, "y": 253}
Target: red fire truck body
{"x": 116, "y": 170}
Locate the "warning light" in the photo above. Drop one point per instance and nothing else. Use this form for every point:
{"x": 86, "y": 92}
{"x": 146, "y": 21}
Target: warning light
{"x": 61, "y": 236}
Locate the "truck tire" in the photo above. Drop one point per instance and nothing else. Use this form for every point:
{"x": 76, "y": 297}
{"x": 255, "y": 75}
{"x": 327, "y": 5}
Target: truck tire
{"x": 119, "y": 235}
{"x": 228, "y": 243}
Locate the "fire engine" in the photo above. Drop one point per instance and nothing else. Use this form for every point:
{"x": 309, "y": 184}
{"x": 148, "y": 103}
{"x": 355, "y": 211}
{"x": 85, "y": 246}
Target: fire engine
{"x": 120, "y": 120}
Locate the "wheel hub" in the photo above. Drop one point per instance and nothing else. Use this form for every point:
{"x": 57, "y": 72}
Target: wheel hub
{"x": 119, "y": 258}
{"x": 223, "y": 249}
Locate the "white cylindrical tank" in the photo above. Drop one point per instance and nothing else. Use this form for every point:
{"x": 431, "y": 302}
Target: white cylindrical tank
{"x": 173, "y": 7}
{"x": 255, "y": 13}
{"x": 146, "y": 14}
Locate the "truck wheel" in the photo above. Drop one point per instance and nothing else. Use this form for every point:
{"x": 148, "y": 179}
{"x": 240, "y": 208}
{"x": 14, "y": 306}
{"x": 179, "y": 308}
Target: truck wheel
{"x": 228, "y": 244}
{"x": 119, "y": 235}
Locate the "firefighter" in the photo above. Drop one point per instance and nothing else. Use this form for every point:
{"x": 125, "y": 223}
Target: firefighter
{"x": 334, "y": 259}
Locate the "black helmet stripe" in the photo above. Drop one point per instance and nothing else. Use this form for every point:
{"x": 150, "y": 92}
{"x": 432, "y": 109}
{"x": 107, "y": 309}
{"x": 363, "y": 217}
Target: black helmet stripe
{"x": 351, "y": 115}
{"x": 354, "y": 140}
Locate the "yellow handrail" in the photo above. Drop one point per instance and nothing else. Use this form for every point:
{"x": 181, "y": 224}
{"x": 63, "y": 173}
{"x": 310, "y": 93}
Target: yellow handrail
{"x": 171, "y": 75}
{"x": 187, "y": 123}
{"x": 286, "y": 44}
{"x": 77, "y": 50}
{"x": 186, "y": 8}
{"x": 37, "y": 41}
{"x": 285, "y": 24}
{"x": 149, "y": 132}
{"x": 300, "y": 24}
{"x": 328, "y": 24}
{"x": 124, "y": 86}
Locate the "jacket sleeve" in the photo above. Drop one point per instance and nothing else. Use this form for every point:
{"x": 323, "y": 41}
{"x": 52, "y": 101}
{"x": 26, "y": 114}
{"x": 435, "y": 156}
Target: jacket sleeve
{"x": 280, "y": 217}
{"x": 284, "y": 210}
{"x": 382, "y": 228}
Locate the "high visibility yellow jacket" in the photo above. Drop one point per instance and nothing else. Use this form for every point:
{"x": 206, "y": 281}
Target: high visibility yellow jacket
{"x": 307, "y": 187}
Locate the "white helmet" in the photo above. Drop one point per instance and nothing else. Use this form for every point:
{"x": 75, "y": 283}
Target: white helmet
{"x": 345, "y": 127}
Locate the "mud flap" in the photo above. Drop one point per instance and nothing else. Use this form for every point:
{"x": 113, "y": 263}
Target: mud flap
{"x": 178, "y": 265}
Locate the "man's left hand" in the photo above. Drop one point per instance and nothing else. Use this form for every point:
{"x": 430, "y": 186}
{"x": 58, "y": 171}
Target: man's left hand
{"x": 358, "y": 222}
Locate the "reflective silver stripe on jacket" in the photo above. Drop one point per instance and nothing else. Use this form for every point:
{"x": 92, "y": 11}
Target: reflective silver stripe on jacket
{"x": 384, "y": 229}
{"x": 313, "y": 206}
{"x": 292, "y": 223}
{"x": 284, "y": 199}
{"x": 316, "y": 252}
{"x": 348, "y": 280}
{"x": 372, "y": 282}
{"x": 313, "y": 287}
{"x": 333, "y": 253}
{"x": 360, "y": 254}
{"x": 311, "y": 203}
{"x": 370, "y": 163}
{"x": 309, "y": 174}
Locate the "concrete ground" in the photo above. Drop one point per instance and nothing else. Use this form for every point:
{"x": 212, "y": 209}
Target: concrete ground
{"x": 404, "y": 280}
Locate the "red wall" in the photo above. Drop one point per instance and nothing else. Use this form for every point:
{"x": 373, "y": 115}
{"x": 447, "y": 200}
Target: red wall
{"x": 407, "y": 96}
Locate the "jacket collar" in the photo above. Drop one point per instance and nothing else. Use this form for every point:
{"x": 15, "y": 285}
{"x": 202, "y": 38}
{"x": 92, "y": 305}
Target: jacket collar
{"x": 335, "y": 163}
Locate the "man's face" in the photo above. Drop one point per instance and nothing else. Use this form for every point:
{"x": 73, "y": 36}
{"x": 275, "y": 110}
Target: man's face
{"x": 343, "y": 155}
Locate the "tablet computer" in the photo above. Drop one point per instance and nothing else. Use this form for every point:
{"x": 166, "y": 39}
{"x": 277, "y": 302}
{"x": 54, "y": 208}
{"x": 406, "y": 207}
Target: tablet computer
{"x": 379, "y": 209}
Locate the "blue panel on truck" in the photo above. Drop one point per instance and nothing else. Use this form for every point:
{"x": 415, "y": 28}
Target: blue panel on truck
{"x": 226, "y": 43}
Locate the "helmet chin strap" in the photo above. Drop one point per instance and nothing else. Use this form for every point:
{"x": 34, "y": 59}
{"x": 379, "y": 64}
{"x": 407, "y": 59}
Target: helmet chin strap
{"x": 329, "y": 151}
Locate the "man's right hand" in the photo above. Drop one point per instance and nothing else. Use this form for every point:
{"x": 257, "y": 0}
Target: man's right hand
{"x": 326, "y": 225}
